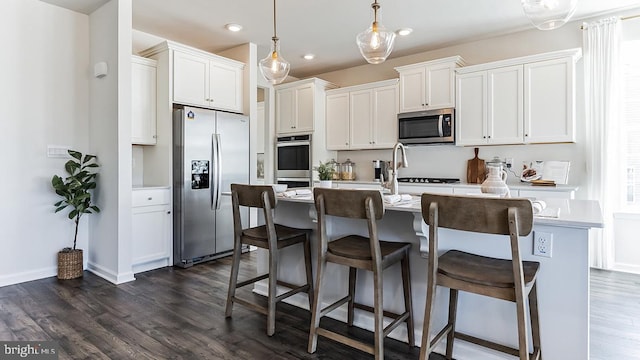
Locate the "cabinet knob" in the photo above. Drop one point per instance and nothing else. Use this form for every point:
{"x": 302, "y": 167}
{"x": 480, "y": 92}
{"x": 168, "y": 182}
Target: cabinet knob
{"x": 149, "y": 198}
{"x": 484, "y": 137}
{"x": 526, "y": 134}
{"x": 346, "y": 143}
{"x": 168, "y": 212}
{"x": 489, "y": 136}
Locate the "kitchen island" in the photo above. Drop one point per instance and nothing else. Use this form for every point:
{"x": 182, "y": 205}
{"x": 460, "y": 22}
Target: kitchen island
{"x": 563, "y": 282}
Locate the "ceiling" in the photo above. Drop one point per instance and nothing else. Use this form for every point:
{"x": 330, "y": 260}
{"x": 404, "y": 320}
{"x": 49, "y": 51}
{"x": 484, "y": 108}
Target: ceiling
{"x": 327, "y": 28}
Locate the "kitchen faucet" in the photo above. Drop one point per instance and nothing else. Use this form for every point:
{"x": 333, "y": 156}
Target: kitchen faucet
{"x": 392, "y": 184}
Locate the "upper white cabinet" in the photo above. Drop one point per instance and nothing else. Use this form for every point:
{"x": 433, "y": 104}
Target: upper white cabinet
{"x": 207, "y": 81}
{"x": 300, "y": 106}
{"x": 489, "y": 106}
{"x": 363, "y": 116}
{"x": 549, "y": 98}
{"x": 428, "y": 85}
{"x": 143, "y": 101}
{"x": 524, "y": 100}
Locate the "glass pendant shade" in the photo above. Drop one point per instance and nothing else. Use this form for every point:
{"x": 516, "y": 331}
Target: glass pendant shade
{"x": 549, "y": 14}
{"x": 274, "y": 67}
{"x": 375, "y": 43}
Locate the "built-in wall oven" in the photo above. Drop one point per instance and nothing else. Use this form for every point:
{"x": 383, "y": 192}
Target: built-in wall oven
{"x": 293, "y": 161}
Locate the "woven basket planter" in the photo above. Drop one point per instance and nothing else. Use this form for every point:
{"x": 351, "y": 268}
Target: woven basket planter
{"x": 70, "y": 264}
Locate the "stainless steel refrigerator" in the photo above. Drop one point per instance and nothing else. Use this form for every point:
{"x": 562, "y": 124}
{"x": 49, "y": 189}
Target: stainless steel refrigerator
{"x": 211, "y": 151}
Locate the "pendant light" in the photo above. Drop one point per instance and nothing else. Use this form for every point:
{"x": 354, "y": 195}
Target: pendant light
{"x": 375, "y": 43}
{"x": 549, "y": 14}
{"x": 274, "y": 67}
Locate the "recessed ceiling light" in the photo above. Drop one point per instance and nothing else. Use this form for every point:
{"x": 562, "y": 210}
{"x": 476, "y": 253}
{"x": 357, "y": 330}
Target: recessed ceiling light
{"x": 404, "y": 31}
{"x": 233, "y": 27}
{"x": 309, "y": 56}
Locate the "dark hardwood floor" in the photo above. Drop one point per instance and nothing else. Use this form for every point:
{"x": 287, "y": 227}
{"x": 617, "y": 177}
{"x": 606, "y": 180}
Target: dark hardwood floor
{"x": 179, "y": 314}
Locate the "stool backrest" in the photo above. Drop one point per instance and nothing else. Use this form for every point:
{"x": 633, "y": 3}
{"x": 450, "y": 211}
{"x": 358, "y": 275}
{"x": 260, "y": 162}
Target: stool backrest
{"x": 251, "y": 195}
{"x": 478, "y": 214}
{"x": 349, "y": 203}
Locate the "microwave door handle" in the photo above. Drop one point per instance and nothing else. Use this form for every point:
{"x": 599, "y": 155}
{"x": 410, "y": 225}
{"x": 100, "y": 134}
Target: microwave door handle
{"x": 440, "y": 120}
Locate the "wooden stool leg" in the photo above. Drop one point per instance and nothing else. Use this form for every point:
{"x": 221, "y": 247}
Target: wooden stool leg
{"x": 535, "y": 321}
{"x": 425, "y": 347}
{"x": 315, "y": 310}
{"x": 233, "y": 279}
{"x": 453, "y": 308}
{"x": 408, "y": 306}
{"x": 378, "y": 314}
{"x": 307, "y": 265}
{"x": 523, "y": 334}
{"x": 271, "y": 301}
{"x": 352, "y": 294}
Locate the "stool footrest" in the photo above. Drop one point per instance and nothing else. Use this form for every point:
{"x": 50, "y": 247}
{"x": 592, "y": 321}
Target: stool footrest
{"x": 254, "y": 306}
{"x": 251, "y": 281}
{"x": 346, "y": 340}
{"x": 368, "y": 308}
{"x": 487, "y": 344}
{"x": 294, "y": 291}
{"x": 445, "y": 330}
{"x": 397, "y": 321}
{"x": 334, "y": 306}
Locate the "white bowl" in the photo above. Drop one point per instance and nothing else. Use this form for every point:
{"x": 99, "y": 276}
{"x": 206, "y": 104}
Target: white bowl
{"x": 279, "y": 188}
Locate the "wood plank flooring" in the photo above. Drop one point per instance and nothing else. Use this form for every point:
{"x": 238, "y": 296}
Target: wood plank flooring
{"x": 179, "y": 314}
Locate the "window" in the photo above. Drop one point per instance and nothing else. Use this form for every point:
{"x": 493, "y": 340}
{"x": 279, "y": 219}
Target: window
{"x": 629, "y": 150}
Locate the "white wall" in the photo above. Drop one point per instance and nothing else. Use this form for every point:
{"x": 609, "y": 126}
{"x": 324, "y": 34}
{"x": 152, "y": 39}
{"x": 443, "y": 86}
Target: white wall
{"x": 44, "y": 94}
{"x": 110, "y": 131}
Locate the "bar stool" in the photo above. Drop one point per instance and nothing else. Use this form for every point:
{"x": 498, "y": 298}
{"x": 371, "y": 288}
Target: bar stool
{"x": 503, "y": 279}
{"x": 272, "y": 237}
{"x": 358, "y": 252}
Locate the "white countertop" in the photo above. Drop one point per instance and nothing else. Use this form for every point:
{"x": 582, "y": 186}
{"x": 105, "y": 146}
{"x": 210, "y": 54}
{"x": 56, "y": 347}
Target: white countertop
{"x": 572, "y": 213}
{"x": 516, "y": 186}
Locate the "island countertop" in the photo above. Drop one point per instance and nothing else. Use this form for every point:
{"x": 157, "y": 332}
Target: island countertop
{"x": 570, "y": 213}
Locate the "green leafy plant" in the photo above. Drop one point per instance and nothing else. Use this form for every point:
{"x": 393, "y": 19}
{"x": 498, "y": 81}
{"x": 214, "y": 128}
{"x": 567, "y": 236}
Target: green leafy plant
{"x": 75, "y": 189}
{"x": 325, "y": 170}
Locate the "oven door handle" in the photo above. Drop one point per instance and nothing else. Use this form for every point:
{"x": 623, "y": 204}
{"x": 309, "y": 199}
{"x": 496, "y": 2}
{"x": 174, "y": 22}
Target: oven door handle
{"x": 440, "y": 120}
{"x": 293, "y": 143}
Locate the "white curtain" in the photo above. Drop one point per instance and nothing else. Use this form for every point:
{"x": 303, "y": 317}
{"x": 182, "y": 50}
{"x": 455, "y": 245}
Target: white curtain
{"x": 601, "y": 76}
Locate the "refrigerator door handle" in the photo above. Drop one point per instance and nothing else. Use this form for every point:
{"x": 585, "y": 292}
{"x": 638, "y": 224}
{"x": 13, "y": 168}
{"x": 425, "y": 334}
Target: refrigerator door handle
{"x": 217, "y": 171}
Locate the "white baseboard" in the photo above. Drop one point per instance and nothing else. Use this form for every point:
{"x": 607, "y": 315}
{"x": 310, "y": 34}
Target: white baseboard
{"x": 629, "y": 268}
{"x": 109, "y": 275}
{"x": 150, "y": 265}
{"x": 12, "y": 279}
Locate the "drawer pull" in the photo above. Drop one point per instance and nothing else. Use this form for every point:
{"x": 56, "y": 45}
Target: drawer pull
{"x": 149, "y": 198}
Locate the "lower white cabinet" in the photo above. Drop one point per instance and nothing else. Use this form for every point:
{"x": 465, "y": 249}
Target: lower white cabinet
{"x": 151, "y": 233}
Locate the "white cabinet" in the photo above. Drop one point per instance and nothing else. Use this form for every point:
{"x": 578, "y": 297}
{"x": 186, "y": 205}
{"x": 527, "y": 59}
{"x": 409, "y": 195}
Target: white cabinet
{"x": 489, "y": 107}
{"x": 549, "y": 93}
{"x": 546, "y": 194}
{"x": 428, "y": 85}
{"x": 363, "y": 116}
{"x": 151, "y": 229}
{"x": 516, "y": 101}
{"x": 207, "y": 80}
{"x": 143, "y": 101}
{"x": 300, "y": 105}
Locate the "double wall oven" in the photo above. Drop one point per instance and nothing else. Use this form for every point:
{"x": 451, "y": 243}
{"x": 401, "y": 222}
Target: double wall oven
{"x": 293, "y": 161}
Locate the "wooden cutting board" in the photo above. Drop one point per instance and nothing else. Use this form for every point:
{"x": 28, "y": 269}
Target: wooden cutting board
{"x": 476, "y": 172}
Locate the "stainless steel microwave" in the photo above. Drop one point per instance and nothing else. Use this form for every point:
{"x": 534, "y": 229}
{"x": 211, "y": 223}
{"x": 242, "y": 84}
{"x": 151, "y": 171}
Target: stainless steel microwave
{"x": 426, "y": 127}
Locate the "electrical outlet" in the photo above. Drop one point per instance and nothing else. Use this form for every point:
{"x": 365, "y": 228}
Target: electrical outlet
{"x": 542, "y": 243}
{"x": 508, "y": 162}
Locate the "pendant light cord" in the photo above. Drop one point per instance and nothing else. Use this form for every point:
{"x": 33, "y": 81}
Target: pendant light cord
{"x": 275, "y": 36}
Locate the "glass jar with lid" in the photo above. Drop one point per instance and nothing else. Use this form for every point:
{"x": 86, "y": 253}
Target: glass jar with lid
{"x": 337, "y": 170}
{"x": 348, "y": 170}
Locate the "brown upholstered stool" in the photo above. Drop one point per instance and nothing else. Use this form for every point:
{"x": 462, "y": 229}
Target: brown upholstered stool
{"x": 510, "y": 279}
{"x": 357, "y": 252}
{"x": 272, "y": 237}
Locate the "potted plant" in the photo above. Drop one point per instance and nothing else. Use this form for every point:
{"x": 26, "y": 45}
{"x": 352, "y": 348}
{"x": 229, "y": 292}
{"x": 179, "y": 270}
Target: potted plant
{"x": 325, "y": 173}
{"x": 75, "y": 191}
